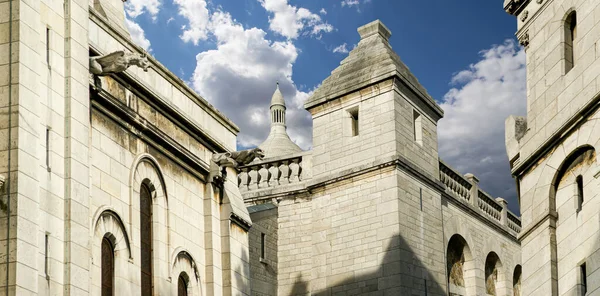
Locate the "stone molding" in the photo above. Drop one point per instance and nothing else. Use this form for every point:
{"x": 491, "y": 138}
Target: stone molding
{"x": 558, "y": 136}
{"x": 552, "y": 216}
{"x": 132, "y": 122}
{"x": 163, "y": 71}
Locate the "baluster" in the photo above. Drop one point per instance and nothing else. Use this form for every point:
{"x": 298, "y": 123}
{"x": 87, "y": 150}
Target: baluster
{"x": 285, "y": 172}
{"x": 243, "y": 179}
{"x": 295, "y": 171}
{"x": 275, "y": 174}
{"x": 264, "y": 176}
{"x": 254, "y": 176}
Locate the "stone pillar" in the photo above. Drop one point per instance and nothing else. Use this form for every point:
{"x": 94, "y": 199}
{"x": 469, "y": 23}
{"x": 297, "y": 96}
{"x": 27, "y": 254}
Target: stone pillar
{"x": 474, "y": 189}
{"x": 504, "y": 213}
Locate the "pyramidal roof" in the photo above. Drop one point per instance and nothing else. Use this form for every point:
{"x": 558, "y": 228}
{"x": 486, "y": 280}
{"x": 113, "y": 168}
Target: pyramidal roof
{"x": 372, "y": 61}
{"x": 278, "y": 143}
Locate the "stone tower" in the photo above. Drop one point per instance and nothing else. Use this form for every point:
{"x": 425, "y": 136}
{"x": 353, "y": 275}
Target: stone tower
{"x": 552, "y": 151}
{"x": 278, "y": 142}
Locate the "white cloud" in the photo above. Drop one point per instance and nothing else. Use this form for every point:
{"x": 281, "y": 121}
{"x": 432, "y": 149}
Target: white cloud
{"x": 471, "y": 134}
{"x": 196, "y": 13}
{"x": 341, "y": 49}
{"x": 239, "y": 76}
{"x": 290, "y": 21}
{"x": 137, "y": 34}
{"x": 135, "y": 8}
{"x": 350, "y": 3}
{"x": 170, "y": 20}
{"x": 323, "y": 11}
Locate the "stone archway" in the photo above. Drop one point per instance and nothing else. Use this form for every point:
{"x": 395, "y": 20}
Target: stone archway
{"x": 460, "y": 267}
{"x": 494, "y": 275}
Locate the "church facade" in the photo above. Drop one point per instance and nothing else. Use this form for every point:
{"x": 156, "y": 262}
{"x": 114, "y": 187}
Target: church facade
{"x": 552, "y": 151}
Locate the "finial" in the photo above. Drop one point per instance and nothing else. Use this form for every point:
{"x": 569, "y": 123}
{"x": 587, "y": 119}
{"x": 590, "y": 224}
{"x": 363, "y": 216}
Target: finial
{"x": 277, "y": 83}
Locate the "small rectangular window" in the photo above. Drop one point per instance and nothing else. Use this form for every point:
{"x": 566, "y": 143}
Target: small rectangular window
{"x": 583, "y": 283}
{"x": 579, "y": 182}
{"x": 418, "y": 127}
{"x": 354, "y": 120}
{"x": 262, "y": 246}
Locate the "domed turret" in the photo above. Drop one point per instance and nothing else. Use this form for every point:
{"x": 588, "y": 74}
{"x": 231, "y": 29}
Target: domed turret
{"x": 278, "y": 143}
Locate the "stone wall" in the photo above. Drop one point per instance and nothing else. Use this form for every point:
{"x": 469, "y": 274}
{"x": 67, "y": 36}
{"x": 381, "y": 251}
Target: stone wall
{"x": 263, "y": 270}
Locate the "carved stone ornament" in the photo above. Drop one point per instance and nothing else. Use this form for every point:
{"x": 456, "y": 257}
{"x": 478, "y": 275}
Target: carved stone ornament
{"x": 524, "y": 15}
{"x": 237, "y": 158}
{"x": 2, "y": 181}
{"x": 524, "y": 39}
{"x": 117, "y": 62}
{"x": 539, "y": 1}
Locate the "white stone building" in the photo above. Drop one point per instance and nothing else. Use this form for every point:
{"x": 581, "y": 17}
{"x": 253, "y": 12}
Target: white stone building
{"x": 109, "y": 175}
{"x": 552, "y": 151}
{"x": 371, "y": 210}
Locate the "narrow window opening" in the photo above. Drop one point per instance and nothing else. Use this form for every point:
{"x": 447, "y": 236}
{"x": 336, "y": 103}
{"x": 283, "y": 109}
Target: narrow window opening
{"x": 418, "y": 127}
{"x": 583, "y": 282}
{"x": 48, "y": 149}
{"x": 579, "y": 182}
{"x": 146, "y": 241}
{"x": 354, "y": 121}
{"x": 570, "y": 40}
{"x": 108, "y": 267}
{"x": 262, "y": 246}
{"x": 46, "y": 238}
{"x": 182, "y": 286}
{"x": 48, "y": 46}
{"x": 421, "y": 197}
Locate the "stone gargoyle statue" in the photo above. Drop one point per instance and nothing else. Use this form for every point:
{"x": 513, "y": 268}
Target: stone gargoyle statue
{"x": 233, "y": 159}
{"x": 237, "y": 158}
{"x": 117, "y": 62}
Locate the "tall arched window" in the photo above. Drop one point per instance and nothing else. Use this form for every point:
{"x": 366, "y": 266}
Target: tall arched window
{"x": 108, "y": 267}
{"x": 579, "y": 182}
{"x": 570, "y": 38}
{"x": 182, "y": 285}
{"x": 146, "y": 239}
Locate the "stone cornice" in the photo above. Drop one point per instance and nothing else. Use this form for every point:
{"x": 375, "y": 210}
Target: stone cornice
{"x": 558, "y": 136}
{"x": 131, "y": 121}
{"x": 515, "y": 6}
{"x": 103, "y": 23}
{"x": 548, "y": 215}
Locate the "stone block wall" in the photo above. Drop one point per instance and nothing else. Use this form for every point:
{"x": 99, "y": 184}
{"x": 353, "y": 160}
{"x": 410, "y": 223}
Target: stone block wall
{"x": 263, "y": 270}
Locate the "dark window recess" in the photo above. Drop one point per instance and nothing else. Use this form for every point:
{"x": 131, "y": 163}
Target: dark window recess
{"x": 583, "y": 278}
{"x": 579, "y": 182}
{"x": 182, "y": 286}
{"x": 262, "y": 246}
{"x": 108, "y": 267}
{"x": 354, "y": 117}
{"x": 146, "y": 240}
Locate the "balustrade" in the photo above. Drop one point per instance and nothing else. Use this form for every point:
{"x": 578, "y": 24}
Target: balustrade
{"x": 272, "y": 173}
{"x": 456, "y": 184}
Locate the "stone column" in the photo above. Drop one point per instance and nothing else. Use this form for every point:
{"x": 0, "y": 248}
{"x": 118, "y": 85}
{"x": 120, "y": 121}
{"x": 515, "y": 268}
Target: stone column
{"x": 474, "y": 189}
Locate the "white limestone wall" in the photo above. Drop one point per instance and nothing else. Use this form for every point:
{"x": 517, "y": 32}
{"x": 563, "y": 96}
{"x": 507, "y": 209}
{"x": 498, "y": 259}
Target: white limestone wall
{"x": 553, "y": 96}
{"x": 120, "y": 162}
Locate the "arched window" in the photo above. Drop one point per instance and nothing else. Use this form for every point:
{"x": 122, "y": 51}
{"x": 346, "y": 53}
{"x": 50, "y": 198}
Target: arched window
{"x": 108, "y": 267}
{"x": 460, "y": 267}
{"x": 182, "y": 285}
{"x": 146, "y": 239}
{"x": 570, "y": 28}
{"x": 517, "y": 281}
{"x": 492, "y": 276}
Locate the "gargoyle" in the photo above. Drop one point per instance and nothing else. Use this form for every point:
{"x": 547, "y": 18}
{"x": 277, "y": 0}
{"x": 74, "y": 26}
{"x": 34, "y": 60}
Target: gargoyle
{"x": 238, "y": 158}
{"x": 117, "y": 62}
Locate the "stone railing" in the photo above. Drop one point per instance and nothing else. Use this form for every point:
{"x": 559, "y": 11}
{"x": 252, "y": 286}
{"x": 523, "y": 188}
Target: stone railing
{"x": 456, "y": 184}
{"x": 489, "y": 206}
{"x": 273, "y": 172}
{"x": 466, "y": 188}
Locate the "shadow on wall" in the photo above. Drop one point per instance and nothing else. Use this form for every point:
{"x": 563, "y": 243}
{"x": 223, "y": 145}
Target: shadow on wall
{"x": 401, "y": 272}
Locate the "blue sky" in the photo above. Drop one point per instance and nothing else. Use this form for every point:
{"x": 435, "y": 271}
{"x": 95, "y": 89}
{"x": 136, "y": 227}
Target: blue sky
{"x": 233, "y": 51}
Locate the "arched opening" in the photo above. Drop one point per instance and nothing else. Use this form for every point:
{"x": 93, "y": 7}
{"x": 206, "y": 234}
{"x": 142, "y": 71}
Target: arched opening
{"x": 570, "y": 28}
{"x": 108, "y": 267}
{"x": 182, "y": 284}
{"x": 517, "y": 281}
{"x": 493, "y": 274}
{"x": 460, "y": 267}
{"x": 146, "y": 240}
